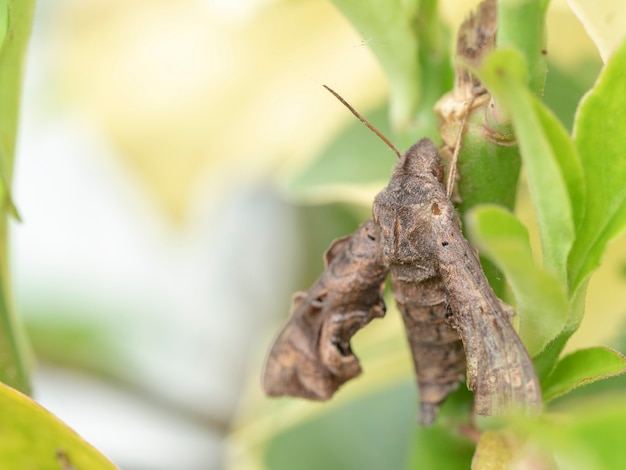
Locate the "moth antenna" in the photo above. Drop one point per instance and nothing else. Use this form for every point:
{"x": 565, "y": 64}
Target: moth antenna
{"x": 363, "y": 120}
{"x": 455, "y": 155}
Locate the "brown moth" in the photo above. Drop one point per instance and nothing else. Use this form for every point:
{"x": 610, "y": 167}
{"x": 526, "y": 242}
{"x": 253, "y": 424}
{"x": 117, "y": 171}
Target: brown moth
{"x": 423, "y": 244}
{"x": 312, "y": 357}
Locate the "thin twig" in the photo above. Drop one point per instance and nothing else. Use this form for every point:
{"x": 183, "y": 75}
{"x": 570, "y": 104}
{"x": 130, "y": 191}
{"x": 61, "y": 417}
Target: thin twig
{"x": 455, "y": 154}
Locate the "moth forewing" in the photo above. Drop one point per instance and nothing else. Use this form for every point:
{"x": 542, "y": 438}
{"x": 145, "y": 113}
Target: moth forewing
{"x": 499, "y": 370}
{"x": 312, "y": 357}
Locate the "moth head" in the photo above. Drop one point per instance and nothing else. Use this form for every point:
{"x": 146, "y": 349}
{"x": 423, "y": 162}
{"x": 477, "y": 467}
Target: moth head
{"x": 422, "y": 159}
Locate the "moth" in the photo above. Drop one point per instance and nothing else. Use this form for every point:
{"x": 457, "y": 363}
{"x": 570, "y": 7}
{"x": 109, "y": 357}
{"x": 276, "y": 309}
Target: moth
{"x": 437, "y": 280}
{"x": 455, "y": 324}
{"x": 453, "y": 319}
{"x": 312, "y": 356}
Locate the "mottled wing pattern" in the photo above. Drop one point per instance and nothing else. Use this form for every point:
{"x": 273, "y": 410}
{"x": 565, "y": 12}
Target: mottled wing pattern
{"x": 499, "y": 370}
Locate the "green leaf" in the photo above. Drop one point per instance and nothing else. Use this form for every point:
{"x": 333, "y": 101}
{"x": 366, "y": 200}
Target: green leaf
{"x": 551, "y": 170}
{"x": 583, "y": 367}
{"x": 601, "y": 143}
{"x": 440, "y": 447}
{"x": 412, "y": 45}
{"x": 4, "y": 21}
{"x": 521, "y": 25}
{"x": 13, "y": 360}
{"x": 541, "y": 300}
{"x": 368, "y": 433}
{"x": 566, "y": 157}
{"x": 355, "y": 157}
{"x": 565, "y": 87}
{"x": 596, "y": 436}
{"x": 546, "y": 360}
{"x": 34, "y": 438}
{"x": 584, "y": 435}
{"x": 387, "y": 27}
{"x": 605, "y": 22}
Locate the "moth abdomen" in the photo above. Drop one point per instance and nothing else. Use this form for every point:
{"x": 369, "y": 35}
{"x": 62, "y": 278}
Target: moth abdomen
{"x": 437, "y": 350}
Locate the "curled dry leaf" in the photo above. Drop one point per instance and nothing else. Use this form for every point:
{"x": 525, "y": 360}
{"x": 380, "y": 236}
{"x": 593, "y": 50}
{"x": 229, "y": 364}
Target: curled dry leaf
{"x": 312, "y": 356}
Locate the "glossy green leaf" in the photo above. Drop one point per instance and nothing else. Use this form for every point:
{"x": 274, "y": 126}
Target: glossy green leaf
{"x": 34, "y": 438}
{"x": 541, "y": 300}
{"x": 583, "y": 367}
{"x": 601, "y": 143}
{"x": 549, "y": 168}
{"x": 13, "y": 355}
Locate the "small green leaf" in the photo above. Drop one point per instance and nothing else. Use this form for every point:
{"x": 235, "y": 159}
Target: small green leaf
{"x": 541, "y": 300}
{"x": 549, "y": 177}
{"x": 34, "y": 438}
{"x": 605, "y": 22}
{"x": 601, "y": 143}
{"x": 583, "y": 367}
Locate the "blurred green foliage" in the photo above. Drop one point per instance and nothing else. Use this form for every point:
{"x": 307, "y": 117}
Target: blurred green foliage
{"x": 572, "y": 155}
{"x": 576, "y": 185}
{"x": 15, "y": 25}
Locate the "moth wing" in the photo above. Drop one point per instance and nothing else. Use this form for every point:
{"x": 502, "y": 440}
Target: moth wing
{"x": 292, "y": 366}
{"x": 499, "y": 370}
{"x": 336, "y": 247}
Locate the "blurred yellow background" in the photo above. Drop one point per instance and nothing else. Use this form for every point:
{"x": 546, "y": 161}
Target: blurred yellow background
{"x": 160, "y": 246}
